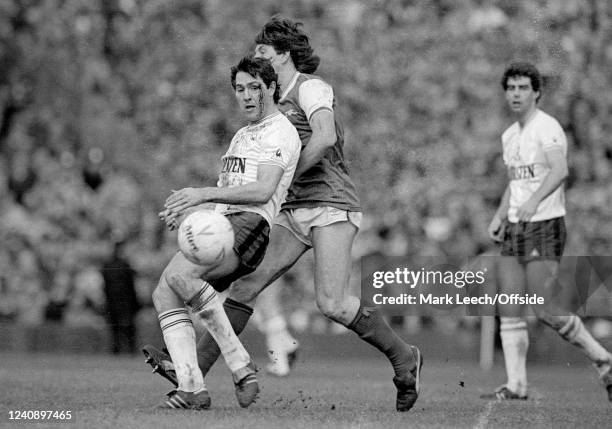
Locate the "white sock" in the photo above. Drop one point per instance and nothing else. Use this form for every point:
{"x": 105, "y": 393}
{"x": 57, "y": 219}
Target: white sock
{"x": 515, "y": 343}
{"x": 179, "y": 337}
{"x": 279, "y": 343}
{"x": 208, "y": 307}
{"x": 575, "y": 333}
{"x": 278, "y": 336}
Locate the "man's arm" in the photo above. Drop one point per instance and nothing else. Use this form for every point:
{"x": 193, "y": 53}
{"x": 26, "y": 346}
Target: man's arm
{"x": 555, "y": 177}
{"x": 173, "y": 220}
{"x": 257, "y": 192}
{"x": 323, "y": 137}
{"x": 504, "y": 205}
{"x": 496, "y": 229}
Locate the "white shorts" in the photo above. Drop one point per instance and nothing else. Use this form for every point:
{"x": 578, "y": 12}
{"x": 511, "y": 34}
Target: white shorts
{"x": 301, "y": 221}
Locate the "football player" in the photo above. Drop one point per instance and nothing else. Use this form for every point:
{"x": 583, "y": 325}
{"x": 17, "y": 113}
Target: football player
{"x": 322, "y": 213}
{"x": 256, "y": 173}
{"x": 530, "y": 225}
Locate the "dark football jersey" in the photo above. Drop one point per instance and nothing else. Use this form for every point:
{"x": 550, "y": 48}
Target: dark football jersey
{"x": 327, "y": 183}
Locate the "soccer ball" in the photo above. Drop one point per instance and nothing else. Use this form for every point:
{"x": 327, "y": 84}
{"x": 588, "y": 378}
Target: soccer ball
{"x": 205, "y": 237}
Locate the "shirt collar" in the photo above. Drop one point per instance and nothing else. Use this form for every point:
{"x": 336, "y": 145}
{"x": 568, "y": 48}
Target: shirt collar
{"x": 291, "y": 85}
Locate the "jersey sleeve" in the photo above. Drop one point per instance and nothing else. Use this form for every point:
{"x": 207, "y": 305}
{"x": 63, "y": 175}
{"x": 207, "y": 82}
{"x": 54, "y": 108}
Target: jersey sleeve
{"x": 505, "y": 138}
{"x": 275, "y": 150}
{"x": 553, "y": 137}
{"x": 314, "y": 94}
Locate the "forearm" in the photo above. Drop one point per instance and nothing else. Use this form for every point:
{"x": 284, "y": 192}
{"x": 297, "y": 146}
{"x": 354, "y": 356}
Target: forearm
{"x": 551, "y": 183}
{"x": 323, "y": 138}
{"x": 250, "y": 193}
{"x": 257, "y": 192}
{"x": 313, "y": 152}
{"x": 502, "y": 210}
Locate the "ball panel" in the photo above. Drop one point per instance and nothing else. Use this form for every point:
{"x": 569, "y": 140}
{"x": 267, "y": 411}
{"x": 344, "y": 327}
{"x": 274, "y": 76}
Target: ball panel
{"x": 205, "y": 237}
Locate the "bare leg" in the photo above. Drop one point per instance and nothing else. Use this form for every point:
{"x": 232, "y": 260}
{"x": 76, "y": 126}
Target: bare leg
{"x": 284, "y": 249}
{"x": 178, "y": 331}
{"x": 332, "y": 248}
{"x": 542, "y": 280}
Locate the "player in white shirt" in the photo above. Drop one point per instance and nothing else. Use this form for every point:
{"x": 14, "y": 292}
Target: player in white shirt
{"x": 322, "y": 212}
{"x": 256, "y": 173}
{"x": 530, "y": 225}
{"x": 526, "y": 151}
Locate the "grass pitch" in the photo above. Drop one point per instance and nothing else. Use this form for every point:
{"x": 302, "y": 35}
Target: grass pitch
{"x": 109, "y": 392}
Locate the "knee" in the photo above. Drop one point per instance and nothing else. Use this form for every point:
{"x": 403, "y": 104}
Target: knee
{"x": 163, "y": 296}
{"x": 541, "y": 313}
{"x": 331, "y": 308}
{"x": 555, "y": 322}
{"x": 172, "y": 278}
{"x": 159, "y": 297}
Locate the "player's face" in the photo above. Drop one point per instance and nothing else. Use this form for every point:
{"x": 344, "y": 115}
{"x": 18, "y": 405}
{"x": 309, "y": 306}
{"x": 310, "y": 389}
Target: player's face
{"x": 268, "y": 52}
{"x": 254, "y": 97}
{"x": 520, "y": 95}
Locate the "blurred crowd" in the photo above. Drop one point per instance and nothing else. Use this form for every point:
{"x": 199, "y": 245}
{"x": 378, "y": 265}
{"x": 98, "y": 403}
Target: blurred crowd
{"x": 62, "y": 221}
{"x": 134, "y": 100}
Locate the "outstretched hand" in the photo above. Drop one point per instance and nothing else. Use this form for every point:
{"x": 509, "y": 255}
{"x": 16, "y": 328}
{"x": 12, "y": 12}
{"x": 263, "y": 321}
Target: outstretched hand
{"x": 170, "y": 218}
{"x": 185, "y": 198}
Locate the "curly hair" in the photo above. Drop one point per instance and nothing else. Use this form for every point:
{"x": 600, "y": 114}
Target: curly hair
{"x": 285, "y": 35}
{"x": 522, "y": 69}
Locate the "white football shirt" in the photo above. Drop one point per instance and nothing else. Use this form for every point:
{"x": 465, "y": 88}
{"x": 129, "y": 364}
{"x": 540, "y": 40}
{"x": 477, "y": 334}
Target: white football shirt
{"x": 525, "y": 159}
{"x": 273, "y": 141}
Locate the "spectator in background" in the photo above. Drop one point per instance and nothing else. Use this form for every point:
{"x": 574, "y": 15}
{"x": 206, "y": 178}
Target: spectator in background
{"x": 21, "y": 177}
{"x": 121, "y": 301}
{"x": 58, "y": 297}
{"x": 8, "y": 309}
{"x": 92, "y": 170}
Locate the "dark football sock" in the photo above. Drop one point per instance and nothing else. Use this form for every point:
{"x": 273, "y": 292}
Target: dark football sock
{"x": 207, "y": 349}
{"x": 373, "y": 329}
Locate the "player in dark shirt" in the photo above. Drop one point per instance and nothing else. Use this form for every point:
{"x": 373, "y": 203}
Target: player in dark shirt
{"x": 322, "y": 212}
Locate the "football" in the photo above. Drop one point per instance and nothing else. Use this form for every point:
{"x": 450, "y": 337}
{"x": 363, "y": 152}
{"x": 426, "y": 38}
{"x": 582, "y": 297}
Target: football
{"x": 205, "y": 237}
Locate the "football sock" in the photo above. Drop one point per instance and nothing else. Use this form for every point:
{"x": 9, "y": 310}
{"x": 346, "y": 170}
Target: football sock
{"x": 279, "y": 341}
{"x": 275, "y": 330}
{"x": 207, "y": 349}
{"x": 208, "y": 307}
{"x": 575, "y": 333}
{"x": 373, "y": 329}
{"x": 515, "y": 343}
{"x": 179, "y": 336}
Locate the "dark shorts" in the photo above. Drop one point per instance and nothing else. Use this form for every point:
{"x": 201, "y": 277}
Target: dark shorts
{"x": 533, "y": 241}
{"x": 251, "y": 234}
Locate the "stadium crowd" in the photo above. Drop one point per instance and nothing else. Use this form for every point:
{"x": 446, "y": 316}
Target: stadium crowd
{"x": 59, "y": 227}
{"x": 85, "y": 166}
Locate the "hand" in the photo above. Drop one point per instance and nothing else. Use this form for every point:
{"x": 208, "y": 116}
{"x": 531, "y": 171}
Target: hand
{"x": 496, "y": 229}
{"x": 527, "y": 210}
{"x": 185, "y": 198}
{"x": 170, "y": 218}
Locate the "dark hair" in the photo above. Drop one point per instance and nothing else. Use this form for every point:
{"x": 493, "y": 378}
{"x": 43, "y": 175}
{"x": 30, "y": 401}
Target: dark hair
{"x": 285, "y": 35}
{"x": 258, "y": 67}
{"x": 522, "y": 69}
